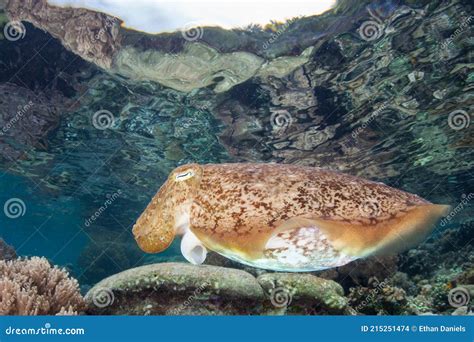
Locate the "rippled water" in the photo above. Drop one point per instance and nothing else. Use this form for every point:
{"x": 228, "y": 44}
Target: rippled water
{"x": 378, "y": 108}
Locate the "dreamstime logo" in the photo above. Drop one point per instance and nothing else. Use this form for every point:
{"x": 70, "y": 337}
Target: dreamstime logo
{"x": 371, "y": 29}
{"x": 459, "y": 119}
{"x": 14, "y": 30}
{"x": 369, "y": 208}
{"x": 192, "y": 32}
{"x": 14, "y": 208}
{"x": 103, "y": 119}
{"x": 465, "y": 199}
{"x": 281, "y": 120}
{"x": 459, "y": 296}
{"x": 103, "y": 297}
{"x": 280, "y": 297}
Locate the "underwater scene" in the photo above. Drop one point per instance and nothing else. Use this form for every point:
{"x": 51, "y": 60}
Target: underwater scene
{"x": 319, "y": 162}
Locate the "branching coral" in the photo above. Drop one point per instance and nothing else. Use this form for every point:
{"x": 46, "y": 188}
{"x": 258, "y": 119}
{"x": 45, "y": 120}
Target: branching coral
{"x": 34, "y": 287}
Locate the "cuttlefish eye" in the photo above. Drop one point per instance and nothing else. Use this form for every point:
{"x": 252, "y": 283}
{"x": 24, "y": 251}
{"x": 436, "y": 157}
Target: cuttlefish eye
{"x": 184, "y": 175}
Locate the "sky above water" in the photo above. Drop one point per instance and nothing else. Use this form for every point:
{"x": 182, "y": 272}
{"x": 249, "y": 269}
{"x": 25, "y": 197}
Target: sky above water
{"x": 155, "y": 16}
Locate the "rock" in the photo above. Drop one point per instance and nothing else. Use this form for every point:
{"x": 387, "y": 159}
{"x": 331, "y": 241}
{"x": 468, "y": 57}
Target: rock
{"x": 96, "y": 42}
{"x": 197, "y": 66}
{"x": 297, "y": 293}
{"x": 176, "y": 289}
{"x": 173, "y": 61}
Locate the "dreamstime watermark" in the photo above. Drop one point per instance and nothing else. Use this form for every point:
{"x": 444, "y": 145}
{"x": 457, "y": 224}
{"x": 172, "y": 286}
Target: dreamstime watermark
{"x": 46, "y": 330}
{"x": 191, "y": 298}
{"x": 459, "y": 296}
{"x": 14, "y": 208}
{"x": 19, "y": 114}
{"x": 465, "y": 199}
{"x": 464, "y": 24}
{"x": 372, "y": 295}
{"x": 103, "y": 119}
{"x": 192, "y": 32}
{"x": 355, "y": 133}
{"x": 352, "y": 139}
{"x": 274, "y": 36}
{"x": 103, "y": 297}
{"x": 14, "y": 30}
{"x": 372, "y": 29}
{"x": 281, "y": 297}
{"x": 107, "y": 203}
{"x": 459, "y": 119}
{"x": 281, "y": 120}
{"x": 109, "y": 22}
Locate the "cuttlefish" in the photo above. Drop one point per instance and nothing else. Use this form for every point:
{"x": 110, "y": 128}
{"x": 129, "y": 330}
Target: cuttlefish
{"x": 282, "y": 217}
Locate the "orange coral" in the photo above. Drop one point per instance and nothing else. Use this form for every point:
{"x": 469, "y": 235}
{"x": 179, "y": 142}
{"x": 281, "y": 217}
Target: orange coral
{"x": 33, "y": 287}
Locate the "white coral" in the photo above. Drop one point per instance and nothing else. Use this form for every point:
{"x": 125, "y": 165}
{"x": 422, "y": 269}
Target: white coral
{"x": 33, "y": 287}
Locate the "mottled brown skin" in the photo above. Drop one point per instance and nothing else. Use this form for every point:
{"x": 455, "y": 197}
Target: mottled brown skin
{"x": 238, "y": 207}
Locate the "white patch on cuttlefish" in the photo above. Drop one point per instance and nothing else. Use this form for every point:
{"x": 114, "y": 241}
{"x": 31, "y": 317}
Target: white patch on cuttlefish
{"x": 192, "y": 249}
{"x": 305, "y": 250}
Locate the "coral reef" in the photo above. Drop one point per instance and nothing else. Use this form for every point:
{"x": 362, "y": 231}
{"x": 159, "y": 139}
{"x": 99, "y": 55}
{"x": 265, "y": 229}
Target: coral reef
{"x": 425, "y": 277}
{"x": 379, "y": 298}
{"x": 33, "y": 287}
{"x": 360, "y": 271}
{"x": 447, "y": 251}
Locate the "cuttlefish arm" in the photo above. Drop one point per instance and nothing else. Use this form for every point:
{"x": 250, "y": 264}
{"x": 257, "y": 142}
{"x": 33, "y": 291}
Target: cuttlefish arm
{"x": 193, "y": 249}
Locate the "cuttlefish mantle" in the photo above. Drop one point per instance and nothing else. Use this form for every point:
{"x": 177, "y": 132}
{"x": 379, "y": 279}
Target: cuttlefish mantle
{"x": 282, "y": 217}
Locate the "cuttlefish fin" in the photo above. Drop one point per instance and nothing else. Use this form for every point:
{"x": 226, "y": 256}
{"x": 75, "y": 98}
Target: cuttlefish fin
{"x": 192, "y": 248}
{"x": 387, "y": 236}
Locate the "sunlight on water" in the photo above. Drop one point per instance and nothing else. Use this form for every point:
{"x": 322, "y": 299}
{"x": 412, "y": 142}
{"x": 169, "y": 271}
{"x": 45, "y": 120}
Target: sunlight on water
{"x": 166, "y": 16}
